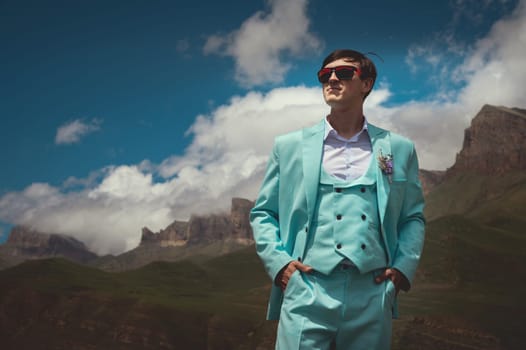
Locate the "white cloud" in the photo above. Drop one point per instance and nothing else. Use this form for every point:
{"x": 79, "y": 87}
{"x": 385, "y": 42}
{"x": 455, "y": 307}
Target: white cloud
{"x": 230, "y": 146}
{"x": 93, "y": 178}
{"x": 72, "y": 132}
{"x": 446, "y": 48}
{"x": 496, "y": 71}
{"x": 107, "y": 218}
{"x": 492, "y": 71}
{"x": 259, "y": 45}
{"x": 227, "y": 158}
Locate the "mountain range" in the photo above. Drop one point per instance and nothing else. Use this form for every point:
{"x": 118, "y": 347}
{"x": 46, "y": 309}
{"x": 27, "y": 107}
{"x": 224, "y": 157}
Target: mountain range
{"x": 201, "y": 237}
{"x": 210, "y": 291}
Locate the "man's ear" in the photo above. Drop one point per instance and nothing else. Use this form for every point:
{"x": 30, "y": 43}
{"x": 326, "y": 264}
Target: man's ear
{"x": 367, "y": 85}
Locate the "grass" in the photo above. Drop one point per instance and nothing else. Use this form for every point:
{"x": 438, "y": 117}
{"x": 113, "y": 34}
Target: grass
{"x": 476, "y": 195}
{"x": 191, "y": 305}
{"x": 470, "y": 274}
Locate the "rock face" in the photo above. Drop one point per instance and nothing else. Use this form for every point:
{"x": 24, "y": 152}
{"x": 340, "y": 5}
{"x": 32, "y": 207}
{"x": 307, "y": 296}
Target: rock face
{"x": 25, "y": 243}
{"x": 172, "y": 236}
{"x": 495, "y": 142}
{"x": 211, "y": 228}
{"x": 206, "y": 229}
{"x": 430, "y": 179}
{"x": 239, "y": 215}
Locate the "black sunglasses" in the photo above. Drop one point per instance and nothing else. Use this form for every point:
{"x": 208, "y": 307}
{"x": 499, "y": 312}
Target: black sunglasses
{"x": 342, "y": 73}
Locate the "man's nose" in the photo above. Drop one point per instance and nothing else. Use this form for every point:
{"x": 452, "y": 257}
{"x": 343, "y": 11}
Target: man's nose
{"x": 333, "y": 76}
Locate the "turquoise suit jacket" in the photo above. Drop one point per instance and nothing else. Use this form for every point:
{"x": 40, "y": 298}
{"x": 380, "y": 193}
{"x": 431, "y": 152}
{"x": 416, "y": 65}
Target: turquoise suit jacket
{"x": 284, "y": 208}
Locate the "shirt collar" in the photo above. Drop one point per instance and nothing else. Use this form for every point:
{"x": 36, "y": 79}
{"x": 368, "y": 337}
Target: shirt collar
{"x": 330, "y": 132}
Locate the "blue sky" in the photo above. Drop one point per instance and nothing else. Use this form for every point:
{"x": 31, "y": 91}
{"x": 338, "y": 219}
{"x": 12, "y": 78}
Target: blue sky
{"x": 121, "y": 114}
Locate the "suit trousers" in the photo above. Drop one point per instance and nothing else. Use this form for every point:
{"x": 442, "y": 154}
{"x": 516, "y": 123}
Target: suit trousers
{"x": 345, "y": 310}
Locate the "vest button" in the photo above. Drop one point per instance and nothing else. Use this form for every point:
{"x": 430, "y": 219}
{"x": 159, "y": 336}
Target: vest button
{"x": 338, "y": 190}
{"x": 364, "y": 217}
{"x": 362, "y": 189}
{"x": 363, "y": 247}
{"x": 306, "y": 229}
{"x": 299, "y": 258}
{"x": 338, "y": 217}
{"x": 338, "y": 246}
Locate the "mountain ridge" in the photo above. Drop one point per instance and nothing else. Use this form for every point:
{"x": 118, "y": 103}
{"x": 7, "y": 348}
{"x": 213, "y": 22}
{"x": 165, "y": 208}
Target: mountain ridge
{"x": 494, "y": 143}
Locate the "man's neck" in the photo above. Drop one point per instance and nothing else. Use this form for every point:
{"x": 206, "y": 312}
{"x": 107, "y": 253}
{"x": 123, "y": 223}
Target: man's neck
{"x": 347, "y": 123}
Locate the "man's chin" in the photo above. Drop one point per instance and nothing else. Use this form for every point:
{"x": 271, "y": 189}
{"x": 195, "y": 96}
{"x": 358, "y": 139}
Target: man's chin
{"x": 334, "y": 102}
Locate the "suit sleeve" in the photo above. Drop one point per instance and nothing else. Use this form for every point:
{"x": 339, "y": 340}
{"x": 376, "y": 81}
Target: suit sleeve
{"x": 411, "y": 224}
{"x": 264, "y": 219}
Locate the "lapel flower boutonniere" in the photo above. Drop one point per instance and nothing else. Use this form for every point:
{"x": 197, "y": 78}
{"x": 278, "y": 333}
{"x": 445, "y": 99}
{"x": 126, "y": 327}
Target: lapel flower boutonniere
{"x": 385, "y": 162}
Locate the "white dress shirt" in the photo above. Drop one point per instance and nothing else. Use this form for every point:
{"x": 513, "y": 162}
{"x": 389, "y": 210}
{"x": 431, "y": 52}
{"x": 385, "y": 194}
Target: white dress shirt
{"x": 346, "y": 159}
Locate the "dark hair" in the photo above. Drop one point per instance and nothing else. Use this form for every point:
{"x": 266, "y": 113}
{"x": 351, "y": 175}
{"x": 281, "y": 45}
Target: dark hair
{"x": 366, "y": 65}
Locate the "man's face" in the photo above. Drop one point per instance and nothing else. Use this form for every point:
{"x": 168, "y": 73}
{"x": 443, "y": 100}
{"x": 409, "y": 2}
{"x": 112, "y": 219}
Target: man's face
{"x": 344, "y": 93}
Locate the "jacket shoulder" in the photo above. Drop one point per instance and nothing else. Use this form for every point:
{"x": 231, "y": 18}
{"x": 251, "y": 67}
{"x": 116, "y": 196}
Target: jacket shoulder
{"x": 295, "y": 138}
{"x": 289, "y": 138}
{"x": 400, "y": 140}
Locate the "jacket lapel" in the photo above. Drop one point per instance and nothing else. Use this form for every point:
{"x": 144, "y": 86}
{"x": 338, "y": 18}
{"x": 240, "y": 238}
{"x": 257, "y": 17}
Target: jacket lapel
{"x": 312, "y": 156}
{"x": 381, "y": 144}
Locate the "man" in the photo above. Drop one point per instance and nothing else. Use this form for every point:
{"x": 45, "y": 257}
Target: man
{"x": 338, "y": 222}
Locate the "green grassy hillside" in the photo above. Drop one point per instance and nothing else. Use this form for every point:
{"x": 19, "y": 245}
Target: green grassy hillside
{"x": 145, "y": 254}
{"x": 220, "y": 304}
{"x": 469, "y": 289}
{"x": 476, "y": 195}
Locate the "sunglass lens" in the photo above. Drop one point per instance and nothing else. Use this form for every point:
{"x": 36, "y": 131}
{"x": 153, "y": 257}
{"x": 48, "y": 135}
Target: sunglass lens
{"x": 324, "y": 75}
{"x": 342, "y": 73}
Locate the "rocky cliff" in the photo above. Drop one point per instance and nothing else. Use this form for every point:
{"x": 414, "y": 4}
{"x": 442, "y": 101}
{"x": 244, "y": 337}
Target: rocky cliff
{"x": 26, "y": 243}
{"x": 202, "y": 229}
{"x": 203, "y": 235}
{"x": 173, "y": 235}
{"x": 495, "y": 142}
{"x": 430, "y": 179}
